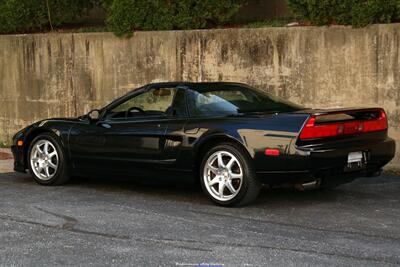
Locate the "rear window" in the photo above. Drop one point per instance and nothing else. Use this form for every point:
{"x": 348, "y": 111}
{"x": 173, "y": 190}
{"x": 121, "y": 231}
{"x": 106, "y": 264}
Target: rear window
{"x": 222, "y": 100}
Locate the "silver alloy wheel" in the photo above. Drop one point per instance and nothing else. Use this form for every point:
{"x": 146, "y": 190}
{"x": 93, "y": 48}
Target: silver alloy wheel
{"x": 223, "y": 175}
{"x": 44, "y": 160}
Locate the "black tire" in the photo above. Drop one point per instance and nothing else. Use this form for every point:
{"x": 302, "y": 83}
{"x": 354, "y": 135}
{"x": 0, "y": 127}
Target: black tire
{"x": 61, "y": 175}
{"x": 250, "y": 187}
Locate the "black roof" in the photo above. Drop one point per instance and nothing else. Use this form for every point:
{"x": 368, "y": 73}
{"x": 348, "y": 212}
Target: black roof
{"x": 196, "y": 84}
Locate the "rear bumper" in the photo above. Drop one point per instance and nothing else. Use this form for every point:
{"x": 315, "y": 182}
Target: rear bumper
{"x": 329, "y": 164}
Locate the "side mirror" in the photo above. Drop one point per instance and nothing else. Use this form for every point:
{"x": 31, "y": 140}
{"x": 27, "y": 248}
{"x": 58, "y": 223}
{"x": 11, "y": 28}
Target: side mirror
{"x": 93, "y": 115}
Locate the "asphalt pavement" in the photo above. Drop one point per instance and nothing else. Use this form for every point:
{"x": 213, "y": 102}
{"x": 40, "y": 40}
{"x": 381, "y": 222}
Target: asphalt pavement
{"x": 108, "y": 222}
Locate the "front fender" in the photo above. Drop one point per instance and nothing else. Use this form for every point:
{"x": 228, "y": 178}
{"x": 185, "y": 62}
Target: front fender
{"x": 26, "y": 135}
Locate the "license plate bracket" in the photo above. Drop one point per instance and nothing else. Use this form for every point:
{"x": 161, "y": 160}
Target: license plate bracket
{"x": 356, "y": 161}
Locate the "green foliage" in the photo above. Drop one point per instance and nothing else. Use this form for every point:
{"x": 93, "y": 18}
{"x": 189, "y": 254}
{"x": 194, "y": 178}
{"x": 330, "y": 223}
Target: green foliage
{"x": 376, "y": 11}
{"x": 347, "y": 12}
{"x": 66, "y": 11}
{"x": 195, "y": 14}
{"x": 29, "y": 15}
{"x": 105, "y": 3}
{"x": 124, "y": 16}
{"x": 18, "y": 16}
{"x": 4, "y": 144}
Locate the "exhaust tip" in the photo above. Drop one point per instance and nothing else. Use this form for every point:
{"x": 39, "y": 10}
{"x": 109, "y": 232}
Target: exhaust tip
{"x": 308, "y": 186}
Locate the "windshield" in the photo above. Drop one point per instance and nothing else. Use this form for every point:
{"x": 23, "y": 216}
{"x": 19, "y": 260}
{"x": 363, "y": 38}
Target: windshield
{"x": 226, "y": 99}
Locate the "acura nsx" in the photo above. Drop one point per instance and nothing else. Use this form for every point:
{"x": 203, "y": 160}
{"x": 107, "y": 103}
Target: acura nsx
{"x": 229, "y": 137}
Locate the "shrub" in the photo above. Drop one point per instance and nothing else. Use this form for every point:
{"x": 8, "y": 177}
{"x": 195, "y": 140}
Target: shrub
{"x": 375, "y": 11}
{"x": 194, "y": 14}
{"x": 126, "y": 15}
{"x": 28, "y": 15}
{"x": 19, "y": 16}
{"x": 347, "y": 12}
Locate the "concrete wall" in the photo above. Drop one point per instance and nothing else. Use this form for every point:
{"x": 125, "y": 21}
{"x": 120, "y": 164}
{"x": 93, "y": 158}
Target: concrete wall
{"x": 49, "y": 75}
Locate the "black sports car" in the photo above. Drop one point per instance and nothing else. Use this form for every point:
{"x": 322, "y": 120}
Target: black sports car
{"x": 229, "y": 136}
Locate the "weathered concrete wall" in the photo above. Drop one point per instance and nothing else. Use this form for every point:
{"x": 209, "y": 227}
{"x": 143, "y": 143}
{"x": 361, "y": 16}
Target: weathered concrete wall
{"x": 68, "y": 74}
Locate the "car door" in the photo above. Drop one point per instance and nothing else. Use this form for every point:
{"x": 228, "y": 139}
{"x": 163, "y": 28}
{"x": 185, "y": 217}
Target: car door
{"x": 174, "y": 136}
{"x": 130, "y": 136}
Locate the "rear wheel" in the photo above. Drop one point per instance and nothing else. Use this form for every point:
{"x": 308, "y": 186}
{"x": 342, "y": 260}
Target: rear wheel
{"x": 46, "y": 160}
{"x": 227, "y": 177}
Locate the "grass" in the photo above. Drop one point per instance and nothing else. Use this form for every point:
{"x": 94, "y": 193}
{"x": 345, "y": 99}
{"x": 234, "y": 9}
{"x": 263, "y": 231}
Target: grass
{"x": 4, "y": 144}
{"x": 392, "y": 170}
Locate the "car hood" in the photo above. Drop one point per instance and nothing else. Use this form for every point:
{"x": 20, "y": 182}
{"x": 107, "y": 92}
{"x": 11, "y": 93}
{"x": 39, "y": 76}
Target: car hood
{"x": 43, "y": 123}
{"x": 60, "y": 119}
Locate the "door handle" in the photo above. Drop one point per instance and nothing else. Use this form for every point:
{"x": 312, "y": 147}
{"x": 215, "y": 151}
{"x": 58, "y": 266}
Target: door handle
{"x": 105, "y": 125}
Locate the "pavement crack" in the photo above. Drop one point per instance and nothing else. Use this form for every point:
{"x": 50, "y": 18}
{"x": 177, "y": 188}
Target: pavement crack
{"x": 306, "y": 251}
{"x": 69, "y": 222}
{"x": 68, "y": 225}
{"x": 19, "y": 220}
{"x": 396, "y": 239}
{"x": 173, "y": 242}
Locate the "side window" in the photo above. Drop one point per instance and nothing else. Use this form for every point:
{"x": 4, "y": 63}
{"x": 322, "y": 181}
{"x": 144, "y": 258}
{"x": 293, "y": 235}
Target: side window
{"x": 213, "y": 103}
{"x": 232, "y": 100}
{"x": 228, "y": 95}
{"x": 152, "y": 103}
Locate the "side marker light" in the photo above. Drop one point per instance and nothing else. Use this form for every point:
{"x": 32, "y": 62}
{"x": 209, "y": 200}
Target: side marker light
{"x": 272, "y": 152}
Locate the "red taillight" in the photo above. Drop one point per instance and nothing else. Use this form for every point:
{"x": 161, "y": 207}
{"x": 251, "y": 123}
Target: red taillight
{"x": 379, "y": 124}
{"x": 312, "y": 130}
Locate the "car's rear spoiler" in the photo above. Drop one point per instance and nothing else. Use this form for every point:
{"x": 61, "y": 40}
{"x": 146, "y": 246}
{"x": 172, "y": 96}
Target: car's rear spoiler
{"x": 337, "y": 122}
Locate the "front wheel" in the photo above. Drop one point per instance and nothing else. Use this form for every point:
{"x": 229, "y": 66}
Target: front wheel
{"x": 227, "y": 176}
{"x": 46, "y": 160}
